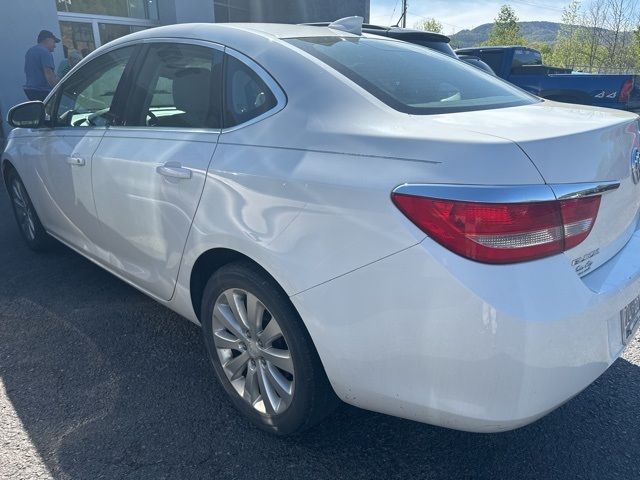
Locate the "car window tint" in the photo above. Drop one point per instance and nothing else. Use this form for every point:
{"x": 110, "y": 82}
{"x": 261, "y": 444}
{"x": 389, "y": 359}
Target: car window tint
{"x": 179, "y": 86}
{"x": 247, "y": 96}
{"x": 493, "y": 58}
{"x": 413, "y": 79}
{"x": 87, "y": 96}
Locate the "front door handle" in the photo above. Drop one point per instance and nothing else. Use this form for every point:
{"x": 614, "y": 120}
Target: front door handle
{"x": 173, "y": 170}
{"x": 77, "y": 161}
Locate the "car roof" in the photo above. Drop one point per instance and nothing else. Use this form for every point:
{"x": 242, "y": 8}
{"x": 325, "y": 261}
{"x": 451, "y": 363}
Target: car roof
{"x": 271, "y": 30}
{"x": 399, "y": 33}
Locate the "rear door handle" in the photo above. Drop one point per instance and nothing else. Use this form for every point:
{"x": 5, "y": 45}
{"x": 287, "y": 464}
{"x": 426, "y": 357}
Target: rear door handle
{"x": 77, "y": 161}
{"x": 172, "y": 170}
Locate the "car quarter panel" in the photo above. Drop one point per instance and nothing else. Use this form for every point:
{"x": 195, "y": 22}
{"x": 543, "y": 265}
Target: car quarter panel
{"x": 429, "y": 336}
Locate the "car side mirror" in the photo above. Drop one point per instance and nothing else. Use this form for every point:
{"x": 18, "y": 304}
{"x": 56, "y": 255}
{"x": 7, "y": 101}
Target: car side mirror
{"x": 27, "y": 115}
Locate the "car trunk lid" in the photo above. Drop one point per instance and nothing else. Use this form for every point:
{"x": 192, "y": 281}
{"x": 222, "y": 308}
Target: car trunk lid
{"x": 572, "y": 144}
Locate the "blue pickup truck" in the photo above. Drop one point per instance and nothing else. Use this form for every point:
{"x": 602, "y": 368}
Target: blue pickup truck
{"x": 523, "y": 67}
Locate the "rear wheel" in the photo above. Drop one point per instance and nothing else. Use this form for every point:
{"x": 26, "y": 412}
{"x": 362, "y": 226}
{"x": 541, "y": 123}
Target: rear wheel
{"x": 28, "y": 221}
{"x": 262, "y": 354}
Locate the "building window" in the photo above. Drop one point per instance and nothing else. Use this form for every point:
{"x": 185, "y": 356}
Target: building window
{"x": 145, "y": 9}
{"x": 78, "y": 36}
{"x": 231, "y": 11}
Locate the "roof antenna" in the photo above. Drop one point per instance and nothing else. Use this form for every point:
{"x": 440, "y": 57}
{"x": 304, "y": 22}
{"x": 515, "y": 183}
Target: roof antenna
{"x": 348, "y": 24}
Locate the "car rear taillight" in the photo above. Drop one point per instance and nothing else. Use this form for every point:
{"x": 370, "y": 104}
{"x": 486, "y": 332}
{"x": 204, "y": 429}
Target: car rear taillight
{"x": 502, "y": 232}
{"x": 625, "y": 91}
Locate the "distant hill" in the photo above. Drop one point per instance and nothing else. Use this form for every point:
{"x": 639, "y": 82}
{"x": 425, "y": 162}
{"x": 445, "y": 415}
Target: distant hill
{"x": 544, "y": 32}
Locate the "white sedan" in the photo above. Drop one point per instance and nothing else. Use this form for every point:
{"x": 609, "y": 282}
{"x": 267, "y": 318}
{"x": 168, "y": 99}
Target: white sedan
{"x": 348, "y": 217}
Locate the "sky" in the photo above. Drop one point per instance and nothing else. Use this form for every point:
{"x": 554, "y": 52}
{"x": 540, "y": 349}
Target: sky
{"x": 456, "y": 15}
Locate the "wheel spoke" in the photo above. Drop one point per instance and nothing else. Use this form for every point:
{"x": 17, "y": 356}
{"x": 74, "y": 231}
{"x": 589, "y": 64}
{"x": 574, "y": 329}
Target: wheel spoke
{"x": 236, "y": 366}
{"x": 251, "y": 386}
{"x": 269, "y": 397}
{"x": 279, "y": 358}
{"x": 282, "y": 386}
{"x": 19, "y": 203}
{"x": 237, "y": 307}
{"x": 224, "y": 339}
{"x": 270, "y": 333}
{"x": 225, "y": 316}
{"x": 255, "y": 311}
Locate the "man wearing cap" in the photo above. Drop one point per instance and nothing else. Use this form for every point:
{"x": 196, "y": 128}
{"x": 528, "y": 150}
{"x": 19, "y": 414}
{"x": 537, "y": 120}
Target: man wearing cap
{"x": 39, "y": 67}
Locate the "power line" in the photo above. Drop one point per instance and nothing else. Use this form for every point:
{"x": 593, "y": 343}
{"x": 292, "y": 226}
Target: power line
{"x": 393, "y": 14}
{"x": 539, "y": 5}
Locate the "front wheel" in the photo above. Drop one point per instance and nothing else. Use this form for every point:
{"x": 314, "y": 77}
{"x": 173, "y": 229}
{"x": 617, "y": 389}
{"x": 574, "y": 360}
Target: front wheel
{"x": 261, "y": 352}
{"x": 28, "y": 221}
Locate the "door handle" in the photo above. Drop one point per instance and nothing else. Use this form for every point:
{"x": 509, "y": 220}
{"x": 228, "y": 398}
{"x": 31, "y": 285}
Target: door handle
{"x": 77, "y": 161}
{"x": 174, "y": 171}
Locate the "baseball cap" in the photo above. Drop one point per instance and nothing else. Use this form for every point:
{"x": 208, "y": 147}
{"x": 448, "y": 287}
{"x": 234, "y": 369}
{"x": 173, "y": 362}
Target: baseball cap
{"x": 44, "y": 34}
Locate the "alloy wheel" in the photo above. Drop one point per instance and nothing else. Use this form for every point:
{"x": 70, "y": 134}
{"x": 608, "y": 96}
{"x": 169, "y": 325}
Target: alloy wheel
{"x": 253, "y": 351}
{"x": 24, "y": 210}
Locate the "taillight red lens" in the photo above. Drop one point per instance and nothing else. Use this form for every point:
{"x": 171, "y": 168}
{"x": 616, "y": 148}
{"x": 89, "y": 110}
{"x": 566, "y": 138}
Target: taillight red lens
{"x": 502, "y": 232}
{"x": 625, "y": 91}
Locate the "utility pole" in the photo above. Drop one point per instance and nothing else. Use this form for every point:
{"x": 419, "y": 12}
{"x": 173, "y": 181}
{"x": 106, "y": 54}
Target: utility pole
{"x": 404, "y": 14}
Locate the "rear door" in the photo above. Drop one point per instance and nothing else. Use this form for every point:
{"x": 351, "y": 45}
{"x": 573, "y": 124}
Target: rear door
{"x": 149, "y": 172}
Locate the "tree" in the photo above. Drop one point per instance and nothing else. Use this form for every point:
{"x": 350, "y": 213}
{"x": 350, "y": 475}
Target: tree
{"x": 505, "y": 30}
{"x": 430, "y": 25}
{"x": 569, "y": 46}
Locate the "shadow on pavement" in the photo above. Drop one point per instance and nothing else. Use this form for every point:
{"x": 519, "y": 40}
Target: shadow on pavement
{"x": 108, "y": 384}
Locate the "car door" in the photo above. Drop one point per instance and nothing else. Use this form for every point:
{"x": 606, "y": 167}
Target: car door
{"x": 79, "y": 114}
{"x": 149, "y": 173}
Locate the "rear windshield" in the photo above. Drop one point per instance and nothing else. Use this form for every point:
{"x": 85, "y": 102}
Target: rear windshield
{"x": 413, "y": 79}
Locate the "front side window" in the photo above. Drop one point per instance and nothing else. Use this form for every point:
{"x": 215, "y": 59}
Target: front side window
{"x": 412, "y": 79}
{"x": 87, "y": 96}
{"x": 247, "y": 96}
{"x": 179, "y": 86}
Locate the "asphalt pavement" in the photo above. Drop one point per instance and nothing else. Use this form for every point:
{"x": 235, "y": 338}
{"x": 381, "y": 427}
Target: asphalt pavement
{"x": 98, "y": 381}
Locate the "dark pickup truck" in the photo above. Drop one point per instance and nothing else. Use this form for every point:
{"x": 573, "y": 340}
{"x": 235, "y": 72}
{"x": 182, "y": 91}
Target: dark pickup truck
{"x": 523, "y": 67}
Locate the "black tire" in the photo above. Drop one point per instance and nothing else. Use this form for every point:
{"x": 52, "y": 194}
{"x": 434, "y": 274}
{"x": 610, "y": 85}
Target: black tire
{"x": 27, "y": 218}
{"x": 313, "y": 398}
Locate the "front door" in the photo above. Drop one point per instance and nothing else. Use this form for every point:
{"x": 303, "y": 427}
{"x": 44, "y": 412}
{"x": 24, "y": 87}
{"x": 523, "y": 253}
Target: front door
{"x": 82, "y": 110}
{"x": 149, "y": 173}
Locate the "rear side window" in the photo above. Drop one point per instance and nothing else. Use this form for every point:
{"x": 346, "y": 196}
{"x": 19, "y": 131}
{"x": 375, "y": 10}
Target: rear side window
{"x": 247, "y": 96}
{"x": 179, "y": 86}
{"x": 493, "y": 58}
{"x": 525, "y": 58}
{"x": 412, "y": 79}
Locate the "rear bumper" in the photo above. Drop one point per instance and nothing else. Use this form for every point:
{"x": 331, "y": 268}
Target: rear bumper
{"x": 429, "y": 336}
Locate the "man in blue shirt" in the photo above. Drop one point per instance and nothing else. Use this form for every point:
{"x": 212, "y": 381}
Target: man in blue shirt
{"x": 39, "y": 67}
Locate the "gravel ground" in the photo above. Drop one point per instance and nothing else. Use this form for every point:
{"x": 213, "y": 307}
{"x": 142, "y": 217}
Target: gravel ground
{"x": 98, "y": 381}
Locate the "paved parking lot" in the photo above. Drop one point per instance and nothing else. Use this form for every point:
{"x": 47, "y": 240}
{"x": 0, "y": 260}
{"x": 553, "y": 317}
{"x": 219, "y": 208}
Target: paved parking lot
{"x": 97, "y": 381}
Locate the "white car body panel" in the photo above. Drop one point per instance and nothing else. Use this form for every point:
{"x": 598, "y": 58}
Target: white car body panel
{"x": 402, "y": 325}
{"x": 146, "y": 217}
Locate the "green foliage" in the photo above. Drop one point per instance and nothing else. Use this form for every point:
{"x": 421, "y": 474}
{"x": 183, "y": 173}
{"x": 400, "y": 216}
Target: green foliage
{"x": 430, "y": 25}
{"x": 505, "y": 30}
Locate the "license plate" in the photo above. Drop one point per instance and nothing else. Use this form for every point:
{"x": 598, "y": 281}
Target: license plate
{"x": 630, "y": 317}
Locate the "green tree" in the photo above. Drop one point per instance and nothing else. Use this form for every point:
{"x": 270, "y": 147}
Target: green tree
{"x": 430, "y": 25}
{"x": 505, "y": 30}
{"x": 570, "y": 41}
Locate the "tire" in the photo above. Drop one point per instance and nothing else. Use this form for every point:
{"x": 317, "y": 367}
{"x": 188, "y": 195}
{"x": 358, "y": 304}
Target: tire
{"x": 28, "y": 221}
{"x": 250, "y": 357}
